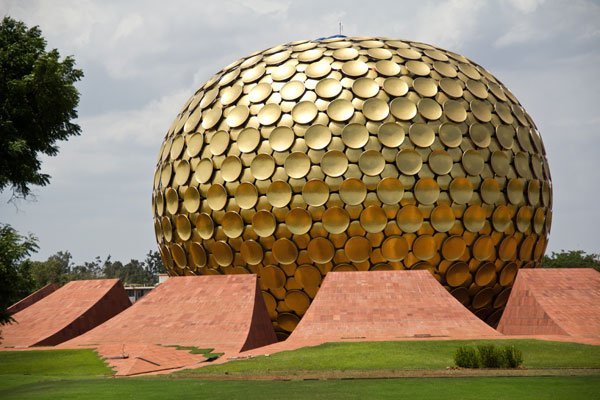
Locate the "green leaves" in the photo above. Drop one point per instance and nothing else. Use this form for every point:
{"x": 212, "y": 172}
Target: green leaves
{"x": 38, "y": 101}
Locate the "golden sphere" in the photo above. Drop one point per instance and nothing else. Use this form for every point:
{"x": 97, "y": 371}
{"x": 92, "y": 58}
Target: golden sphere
{"x": 350, "y": 154}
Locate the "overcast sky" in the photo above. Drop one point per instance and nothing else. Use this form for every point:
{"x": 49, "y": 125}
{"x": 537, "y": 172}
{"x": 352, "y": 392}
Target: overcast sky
{"x": 143, "y": 59}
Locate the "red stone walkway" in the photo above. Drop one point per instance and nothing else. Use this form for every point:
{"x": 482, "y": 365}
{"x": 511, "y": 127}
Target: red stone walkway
{"x": 223, "y": 312}
{"x": 66, "y": 313}
{"x": 554, "y": 302}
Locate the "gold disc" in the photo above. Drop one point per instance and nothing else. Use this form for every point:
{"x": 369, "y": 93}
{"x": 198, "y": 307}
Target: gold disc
{"x": 298, "y": 221}
{"x": 508, "y": 274}
{"x": 297, "y": 301}
{"x": 334, "y": 163}
{"x": 354, "y": 68}
{"x": 219, "y": 143}
{"x": 315, "y": 192}
{"x": 263, "y": 223}
{"x": 248, "y": 140}
{"x": 317, "y": 137}
{"x": 365, "y": 87}
{"x": 328, "y": 88}
{"x": 427, "y": 191}
{"x": 395, "y": 87}
{"x": 297, "y": 165}
{"x": 353, "y": 191}
{"x": 429, "y": 109}
{"x": 191, "y": 199}
{"x": 198, "y": 255}
{"x": 450, "y": 134}
{"x": 262, "y": 167}
{"x": 453, "y": 248}
{"x": 457, "y": 274}
{"x": 371, "y": 162}
{"x": 182, "y": 172}
{"x": 216, "y": 197}
{"x": 272, "y": 277}
{"x": 409, "y": 218}
{"x": 287, "y": 321}
{"x": 340, "y": 110}
{"x": 246, "y": 195}
{"x": 260, "y": 92}
{"x": 172, "y": 200}
{"x": 481, "y": 134}
{"x": 251, "y": 252}
{"x": 222, "y": 253}
{"x": 472, "y": 162}
{"x": 285, "y": 251}
{"x": 394, "y": 248}
{"x": 461, "y": 190}
{"x": 358, "y": 249}
{"x": 390, "y": 190}
{"x": 292, "y": 90}
{"x": 183, "y": 227}
{"x": 424, "y": 247}
{"x": 281, "y": 138}
{"x": 205, "y": 226}
{"x": 279, "y": 194}
{"x": 304, "y": 112}
{"x": 269, "y": 114}
{"x": 486, "y": 274}
{"x": 490, "y": 190}
{"x": 376, "y": 109}
{"x": 391, "y": 134}
{"x": 454, "y": 111}
{"x": 409, "y": 161}
{"x": 418, "y": 68}
{"x": 402, "y": 108}
{"x": 440, "y": 162}
{"x": 474, "y": 218}
{"x": 483, "y": 248}
{"x": 335, "y": 220}
{"x": 231, "y": 168}
{"x": 355, "y": 136}
{"x": 387, "y": 68}
{"x": 421, "y": 134}
{"x": 318, "y": 69}
{"x": 442, "y": 218}
{"x": 308, "y": 276}
{"x": 232, "y": 224}
{"x": 426, "y": 87}
{"x": 321, "y": 250}
{"x": 373, "y": 219}
{"x": 500, "y": 163}
{"x": 237, "y": 116}
{"x": 345, "y": 54}
{"x": 179, "y": 255}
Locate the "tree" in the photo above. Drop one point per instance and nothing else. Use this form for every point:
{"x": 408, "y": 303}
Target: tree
{"x": 15, "y": 279}
{"x": 571, "y": 259}
{"x": 38, "y": 100}
{"x": 54, "y": 270}
{"x": 154, "y": 265}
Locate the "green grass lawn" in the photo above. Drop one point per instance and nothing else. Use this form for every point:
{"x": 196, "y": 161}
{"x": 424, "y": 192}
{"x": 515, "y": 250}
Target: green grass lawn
{"x": 80, "y": 374}
{"x": 402, "y": 355}
{"x": 539, "y": 388}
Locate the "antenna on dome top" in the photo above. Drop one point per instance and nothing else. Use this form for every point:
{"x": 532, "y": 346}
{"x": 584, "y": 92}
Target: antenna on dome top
{"x": 341, "y": 27}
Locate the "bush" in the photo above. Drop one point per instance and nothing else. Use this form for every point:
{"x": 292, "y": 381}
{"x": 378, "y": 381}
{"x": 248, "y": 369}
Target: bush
{"x": 466, "y": 357}
{"x": 511, "y": 357}
{"x": 489, "y": 356}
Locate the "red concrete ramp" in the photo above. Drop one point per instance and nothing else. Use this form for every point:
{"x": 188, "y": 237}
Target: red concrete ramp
{"x": 385, "y": 305}
{"x": 562, "y": 301}
{"x": 224, "y": 312}
{"x": 32, "y": 298}
{"x": 66, "y": 313}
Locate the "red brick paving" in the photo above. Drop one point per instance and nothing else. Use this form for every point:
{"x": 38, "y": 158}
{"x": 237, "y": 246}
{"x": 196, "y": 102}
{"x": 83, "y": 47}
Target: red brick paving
{"x": 66, "y": 313}
{"x": 32, "y": 298}
{"x": 554, "y": 302}
{"x": 223, "y": 312}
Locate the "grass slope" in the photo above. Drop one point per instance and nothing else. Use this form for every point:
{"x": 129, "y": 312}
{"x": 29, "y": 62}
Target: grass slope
{"x": 84, "y": 362}
{"x": 402, "y": 355}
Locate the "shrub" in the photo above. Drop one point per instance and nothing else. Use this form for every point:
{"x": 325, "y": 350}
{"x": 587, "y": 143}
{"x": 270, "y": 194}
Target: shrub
{"x": 511, "y": 357}
{"x": 489, "y": 356}
{"x": 466, "y": 357}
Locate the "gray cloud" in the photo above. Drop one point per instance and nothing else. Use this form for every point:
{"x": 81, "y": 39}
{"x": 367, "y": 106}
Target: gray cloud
{"x": 142, "y": 60}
